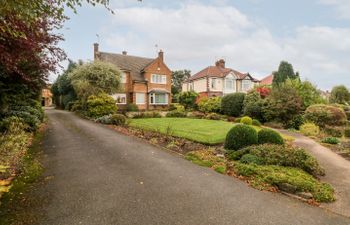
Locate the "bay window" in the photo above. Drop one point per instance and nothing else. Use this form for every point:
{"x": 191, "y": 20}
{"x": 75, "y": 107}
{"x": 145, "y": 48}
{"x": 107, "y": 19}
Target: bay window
{"x": 159, "y": 99}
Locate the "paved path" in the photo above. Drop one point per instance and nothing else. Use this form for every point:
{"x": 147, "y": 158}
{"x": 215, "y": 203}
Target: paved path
{"x": 103, "y": 177}
{"x": 337, "y": 171}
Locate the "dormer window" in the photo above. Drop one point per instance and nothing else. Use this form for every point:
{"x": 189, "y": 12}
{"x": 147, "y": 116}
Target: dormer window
{"x": 158, "y": 79}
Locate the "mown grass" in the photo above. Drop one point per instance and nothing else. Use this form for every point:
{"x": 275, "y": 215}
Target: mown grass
{"x": 210, "y": 132}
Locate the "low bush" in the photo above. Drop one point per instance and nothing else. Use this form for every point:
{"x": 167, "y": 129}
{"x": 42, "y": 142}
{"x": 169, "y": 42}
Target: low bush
{"x": 278, "y": 175}
{"x": 241, "y": 136}
{"x": 280, "y": 155}
{"x": 295, "y": 122}
{"x": 142, "y": 115}
{"x": 100, "y": 105}
{"x": 331, "y": 140}
{"x": 256, "y": 123}
{"x": 266, "y": 135}
{"x": 31, "y": 120}
{"x": 333, "y": 131}
{"x": 207, "y": 158}
{"x": 251, "y": 159}
{"x": 77, "y": 106}
{"x": 323, "y": 115}
{"x": 237, "y": 120}
{"x": 176, "y": 106}
{"x": 176, "y": 113}
{"x": 213, "y": 116}
{"x": 347, "y": 132}
{"x": 247, "y": 120}
{"x": 210, "y": 105}
{"x": 132, "y": 107}
{"x": 309, "y": 129}
{"x": 196, "y": 115}
{"x": 118, "y": 119}
{"x": 232, "y": 104}
{"x": 188, "y": 99}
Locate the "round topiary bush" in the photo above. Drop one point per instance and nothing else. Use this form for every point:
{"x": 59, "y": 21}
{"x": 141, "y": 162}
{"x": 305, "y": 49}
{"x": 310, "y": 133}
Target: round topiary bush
{"x": 323, "y": 115}
{"x": 241, "y": 136}
{"x": 309, "y": 129}
{"x": 256, "y": 123}
{"x": 232, "y": 104}
{"x": 118, "y": 119}
{"x": 100, "y": 105}
{"x": 247, "y": 120}
{"x": 269, "y": 136}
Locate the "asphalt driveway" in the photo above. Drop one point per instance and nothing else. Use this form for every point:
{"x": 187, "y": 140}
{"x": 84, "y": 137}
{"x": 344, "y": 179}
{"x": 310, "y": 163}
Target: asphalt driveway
{"x": 99, "y": 176}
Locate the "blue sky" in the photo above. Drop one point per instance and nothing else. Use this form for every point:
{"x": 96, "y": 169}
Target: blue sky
{"x": 251, "y": 35}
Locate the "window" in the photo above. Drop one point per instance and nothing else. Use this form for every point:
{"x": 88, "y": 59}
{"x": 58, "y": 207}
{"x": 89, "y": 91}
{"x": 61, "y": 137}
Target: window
{"x": 123, "y": 77}
{"x": 246, "y": 85}
{"x": 159, "y": 99}
{"x": 213, "y": 83}
{"x": 191, "y": 86}
{"x": 229, "y": 84}
{"x": 140, "y": 98}
{"x": 158, "y": 79}
{"x": 120, "y": 98}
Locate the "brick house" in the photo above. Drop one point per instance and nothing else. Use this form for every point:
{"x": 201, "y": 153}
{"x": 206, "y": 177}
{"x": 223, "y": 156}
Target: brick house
{"x": 146, "y": 82}
{"x": 267, "y": 80}
{"x": 218, "y": 80}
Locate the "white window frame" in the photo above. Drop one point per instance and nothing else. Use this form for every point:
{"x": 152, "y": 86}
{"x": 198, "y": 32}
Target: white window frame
{"x": 123, "y": 78}
{"x": 120, "y": 96}
{"x": 230, "y": 80}
{"x": 158, "y": 79}
{"x": 152, "y": 98}
{"x": 140, "y": 96}
{"x": 214, "y": 83}
{"x": 246, "y": 85}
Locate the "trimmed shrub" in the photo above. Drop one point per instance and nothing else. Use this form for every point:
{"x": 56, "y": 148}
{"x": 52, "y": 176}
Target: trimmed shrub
{"x": 347, "y": 132}
{"x": 238, "y": 120}
{"x": 269, "y": 136}
{"x": 132, "y": 107}
{"x": 142, "y": 115}
{"x": 331, "y": 140}
{"x": 241, "y": 136}
{"x": 213, "y": 116}
{"x": 247, "y": 120}
{"x": 309, "y": 129}
{"x": 333, "y": 131}
{"x": 176, "y": 106}
{"x": 210, "y": 105}
{"x": 100, "y": 105}
{"x": 281, "y": 155}
{"x": 232, "y": 104}
{"x": 253, "y": 106}
{"x": 118, "y": 119}
{"x": 323, "y": 115}
{"x": 176, "y": 113}
{"x": 256, "y": 123}
{"x": 296, "y": 122}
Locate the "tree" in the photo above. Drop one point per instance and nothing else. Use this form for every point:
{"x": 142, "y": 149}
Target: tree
{"x": 178, "y": 77}
{"x": 232, "y": 104}
{"x": 188, "y": 99}
{"x": 306, "y": 91}
{"x": 340, "y": 94}
{"x": 253, "y": 106}
{"x": 94, "y": 78}
{"x": 285, "y": 71}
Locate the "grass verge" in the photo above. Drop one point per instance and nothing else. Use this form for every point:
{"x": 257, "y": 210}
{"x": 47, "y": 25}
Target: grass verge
{"x": 16, "y": 205}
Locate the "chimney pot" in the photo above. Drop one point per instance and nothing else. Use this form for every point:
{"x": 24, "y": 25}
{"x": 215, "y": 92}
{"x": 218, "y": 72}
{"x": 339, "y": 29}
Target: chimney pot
{"x": 220, "y": 63}
{"x": 125, "y": 52}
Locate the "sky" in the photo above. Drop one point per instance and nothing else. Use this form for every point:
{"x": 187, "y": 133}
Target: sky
{"x": 251, "y": 35}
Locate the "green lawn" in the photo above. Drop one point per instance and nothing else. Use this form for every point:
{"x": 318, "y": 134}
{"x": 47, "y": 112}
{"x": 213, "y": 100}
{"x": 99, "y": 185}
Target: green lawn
{"x": 199, "y": 130}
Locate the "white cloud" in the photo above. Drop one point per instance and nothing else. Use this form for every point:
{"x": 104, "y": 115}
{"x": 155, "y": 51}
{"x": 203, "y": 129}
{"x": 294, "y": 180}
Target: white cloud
{"x": 341, "y": 6}
{"x": 195, "y": 35}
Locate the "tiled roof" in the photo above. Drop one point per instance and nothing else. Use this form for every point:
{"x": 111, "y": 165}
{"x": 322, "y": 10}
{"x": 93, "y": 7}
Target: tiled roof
{"x": 134, "y": 64}
{"x": 218, "y": 71}
{"x": 267, "y": 80}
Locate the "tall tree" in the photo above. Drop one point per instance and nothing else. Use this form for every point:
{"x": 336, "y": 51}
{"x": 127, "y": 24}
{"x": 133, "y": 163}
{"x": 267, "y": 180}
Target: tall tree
{"x": 285, "y": 71}
{"x": 340, "y": 94}
{"x": 178, "y": 77}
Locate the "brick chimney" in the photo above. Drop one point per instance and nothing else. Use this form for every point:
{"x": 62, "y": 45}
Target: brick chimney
{"x": 95, "y": 51}
{"x": 125, "y": 52}
{"x": 161, "y": 55}
{"x": 220, "y": 63}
